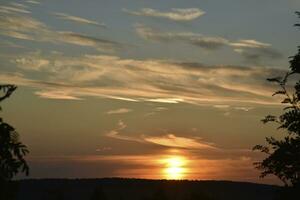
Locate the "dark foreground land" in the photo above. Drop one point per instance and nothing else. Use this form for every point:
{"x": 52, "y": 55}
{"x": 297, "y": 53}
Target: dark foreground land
{"x": 139, "y": 189}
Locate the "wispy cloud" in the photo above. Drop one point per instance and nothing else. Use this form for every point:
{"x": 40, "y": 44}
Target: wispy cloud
{"x": 33, "y": 2}
{"x": 228, "y": 110}
{"x": 5, "y": 43}
{"x": 252, "y": 50}
{"x": 84, "y": 40}
{"x": 56, "y": 95}
{"x": 159, "y": 109}
{"x": 168, "y": 140}
{"x": 198, "y": 40}
{"x": 246, "y": 109}
{"x": 249, "y": 44}
{"x": 18, "y": 25}
{"x": 156, "y": 111}
{"x": 77, "y": 19}
{"x": 171, "y": 140}
{"x": 255, "y": 55}
{"x": 176, "y": 14}
{"x": 31, "y": 62}
{"x": 145, "y": 80}
{"x": 166, "y": 100}
{"x": 221, "y": 106}
{"x": 19, "y": 5}
{"x": 119, "y": 111}
{"x": 14, "y": 8}
{"x": 102, "y": 149}
{"x": 115, "y": 133}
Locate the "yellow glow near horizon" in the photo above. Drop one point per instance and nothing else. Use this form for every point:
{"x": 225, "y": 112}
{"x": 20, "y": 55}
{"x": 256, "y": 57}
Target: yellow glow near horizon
{"x": 175, "y": 167}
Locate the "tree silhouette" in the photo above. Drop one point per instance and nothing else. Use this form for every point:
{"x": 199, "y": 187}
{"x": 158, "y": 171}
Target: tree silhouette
{"x": 284, "y": 155}
{"x": 12, "y": 151}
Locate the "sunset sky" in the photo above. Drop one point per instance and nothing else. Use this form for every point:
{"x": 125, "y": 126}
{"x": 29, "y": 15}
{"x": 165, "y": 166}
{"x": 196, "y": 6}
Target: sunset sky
{"x": 149, "y": 89}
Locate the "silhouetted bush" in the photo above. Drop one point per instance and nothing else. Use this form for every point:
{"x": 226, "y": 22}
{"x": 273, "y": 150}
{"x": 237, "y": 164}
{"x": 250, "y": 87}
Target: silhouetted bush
{"x": 12, "y": 151}
{"x": 283, "y": 158}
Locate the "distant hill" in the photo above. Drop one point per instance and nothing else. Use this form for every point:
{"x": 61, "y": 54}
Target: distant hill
{"x": 140, "y": 189}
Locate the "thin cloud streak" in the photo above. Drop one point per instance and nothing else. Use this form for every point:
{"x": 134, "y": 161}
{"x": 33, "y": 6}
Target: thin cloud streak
{"x": 18, "y": 5}
{"x": 77, "y": 19}
{"x": 63, "y": 95}
{"x": 119, "y": 111}
{"x": 15, "y": 8}
{"x": 171, "y": 140}
{"x": 33, "y": 2}
{"x": 249, "y": 44}
{"x": 176, "y": 14}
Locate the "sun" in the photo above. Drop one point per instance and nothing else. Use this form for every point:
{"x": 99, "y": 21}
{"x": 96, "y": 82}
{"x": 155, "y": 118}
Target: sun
{"x": 175, "y": 167}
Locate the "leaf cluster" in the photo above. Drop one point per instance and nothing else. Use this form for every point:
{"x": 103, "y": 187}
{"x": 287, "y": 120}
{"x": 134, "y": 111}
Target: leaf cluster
{"x": 12, "y": 151}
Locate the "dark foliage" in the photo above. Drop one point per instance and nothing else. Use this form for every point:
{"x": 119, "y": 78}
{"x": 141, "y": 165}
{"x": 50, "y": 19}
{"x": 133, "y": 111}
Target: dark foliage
{"x": 12, "y": 151}
{"x": 7, "y": 91}
{"x": 284, "y": 155}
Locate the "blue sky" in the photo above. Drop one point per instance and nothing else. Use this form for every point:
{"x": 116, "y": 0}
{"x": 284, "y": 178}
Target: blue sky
{"x": 123, "y": 80}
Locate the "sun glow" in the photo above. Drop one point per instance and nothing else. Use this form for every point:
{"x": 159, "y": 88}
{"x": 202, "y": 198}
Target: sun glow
{"x": 175, "y": 167}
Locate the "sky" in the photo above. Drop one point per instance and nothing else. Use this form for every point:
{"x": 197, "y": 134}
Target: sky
{"x": 148, "y": 89}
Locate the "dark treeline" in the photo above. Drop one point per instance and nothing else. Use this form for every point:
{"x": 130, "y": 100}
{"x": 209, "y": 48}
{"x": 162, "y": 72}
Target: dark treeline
{"x": 139, "y": 189}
